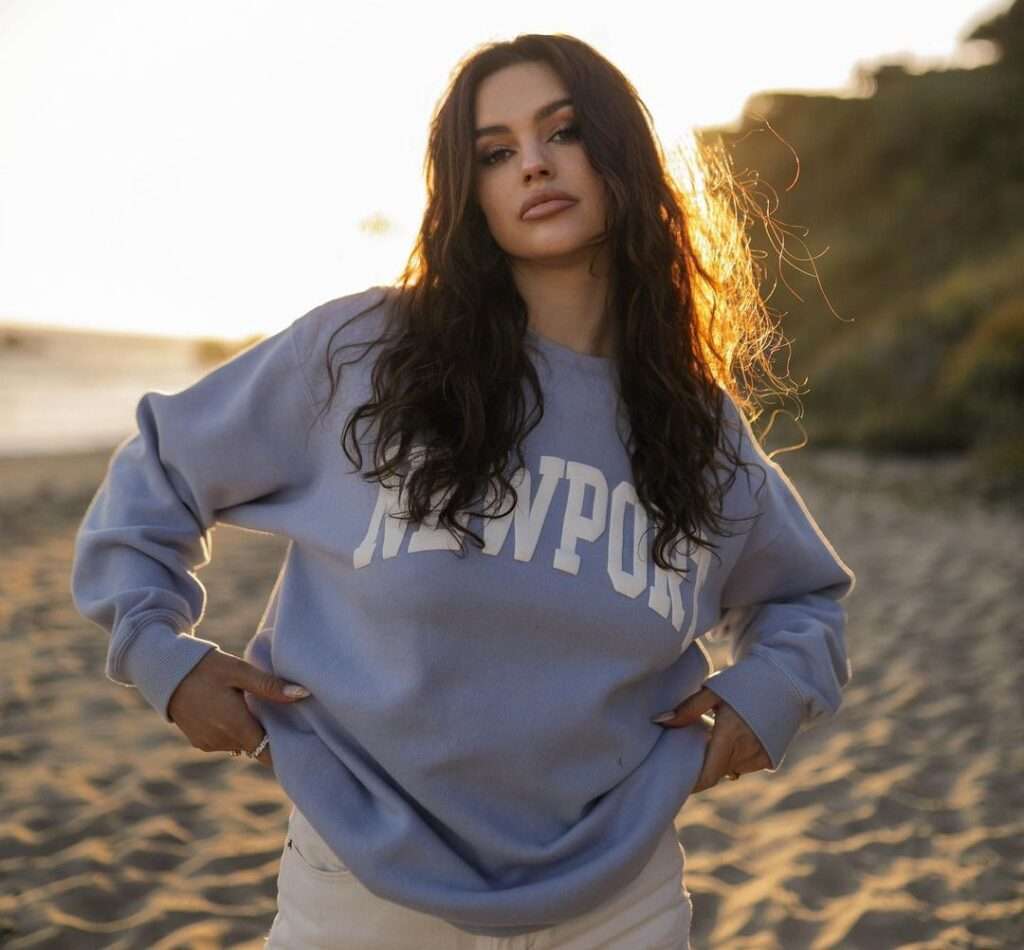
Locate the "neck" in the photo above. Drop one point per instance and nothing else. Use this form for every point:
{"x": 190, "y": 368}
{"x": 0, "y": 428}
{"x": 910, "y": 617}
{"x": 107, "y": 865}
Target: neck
{"x": 567, "y": 304}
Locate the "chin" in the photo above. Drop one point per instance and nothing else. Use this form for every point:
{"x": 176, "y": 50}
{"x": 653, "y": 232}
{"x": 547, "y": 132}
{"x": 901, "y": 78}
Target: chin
{"x": 570, "y": 254}
{"x": 554, "y": 246}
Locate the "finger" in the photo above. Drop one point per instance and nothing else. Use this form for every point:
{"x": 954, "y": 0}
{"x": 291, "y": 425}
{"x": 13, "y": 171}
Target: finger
{"x": 716, "y": 759}
{"x": 690, "y": 709}
{"x": 252, "y": 679}
{"x": 755, "y": 761}
{"x": 693, "y": 707}
{"x": 748, "y": 752}
{"x": 253, "y": 733}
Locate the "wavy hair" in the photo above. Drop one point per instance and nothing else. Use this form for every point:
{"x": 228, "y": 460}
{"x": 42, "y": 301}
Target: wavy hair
{"x": 688, "y": 320}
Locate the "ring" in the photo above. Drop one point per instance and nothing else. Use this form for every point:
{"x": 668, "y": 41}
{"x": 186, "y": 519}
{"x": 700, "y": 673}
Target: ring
{"x": 255, "y": 754}
{"x": 264, "y": 742}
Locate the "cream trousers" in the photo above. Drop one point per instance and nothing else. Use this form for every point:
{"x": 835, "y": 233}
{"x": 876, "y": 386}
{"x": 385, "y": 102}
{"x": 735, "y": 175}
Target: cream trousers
{"x": 321, "y": 904}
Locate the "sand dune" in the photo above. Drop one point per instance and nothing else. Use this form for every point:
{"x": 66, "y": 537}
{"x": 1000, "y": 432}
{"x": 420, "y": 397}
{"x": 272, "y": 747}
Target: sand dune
{"x": 898, "y": 824}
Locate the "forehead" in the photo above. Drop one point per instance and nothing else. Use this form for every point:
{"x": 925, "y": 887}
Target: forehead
{"x": 514, "y": 93}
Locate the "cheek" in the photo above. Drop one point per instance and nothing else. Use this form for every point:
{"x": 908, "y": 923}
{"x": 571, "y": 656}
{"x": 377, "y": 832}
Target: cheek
{"x": 597, "y": 191}
{"x": 501, "y": 216}
{"x": 489, "y": 199}
{"x": 601, "y": 203}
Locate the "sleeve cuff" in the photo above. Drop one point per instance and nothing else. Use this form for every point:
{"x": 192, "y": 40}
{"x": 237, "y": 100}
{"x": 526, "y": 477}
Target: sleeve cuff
{"x": 766, "y": 700}
{"x": 158, "y": 659}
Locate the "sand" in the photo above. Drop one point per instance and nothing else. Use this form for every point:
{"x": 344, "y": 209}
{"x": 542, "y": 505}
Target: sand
{"x": 899, "y": 823}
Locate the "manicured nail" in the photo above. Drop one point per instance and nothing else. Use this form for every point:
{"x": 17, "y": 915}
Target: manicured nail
{"x": 665, "y": 716}
{"x": 294, "y": 691}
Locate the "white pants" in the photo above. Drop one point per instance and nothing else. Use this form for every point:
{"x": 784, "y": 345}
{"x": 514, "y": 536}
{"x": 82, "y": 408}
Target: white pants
{"x": 322, "y": 905}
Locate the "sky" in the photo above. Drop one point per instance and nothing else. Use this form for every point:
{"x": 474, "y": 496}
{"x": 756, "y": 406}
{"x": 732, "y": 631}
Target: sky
{"x": 219, "y": 168}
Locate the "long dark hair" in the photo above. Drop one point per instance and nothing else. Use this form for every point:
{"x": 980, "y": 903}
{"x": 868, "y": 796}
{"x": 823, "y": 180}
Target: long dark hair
{"x": 688, "y": 319}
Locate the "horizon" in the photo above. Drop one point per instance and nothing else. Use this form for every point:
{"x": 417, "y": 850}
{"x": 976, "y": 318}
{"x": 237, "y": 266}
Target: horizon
{"x": 156, "y": 195}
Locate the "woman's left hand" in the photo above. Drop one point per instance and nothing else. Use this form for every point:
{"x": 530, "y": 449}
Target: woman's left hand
{"x": 733, "y": 746}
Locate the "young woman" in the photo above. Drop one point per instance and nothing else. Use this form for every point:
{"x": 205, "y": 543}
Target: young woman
{"x": 565, "y": 498}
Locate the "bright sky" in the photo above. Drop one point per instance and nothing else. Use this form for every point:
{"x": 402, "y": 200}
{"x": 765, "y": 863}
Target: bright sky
{"x": 210, "y": 167}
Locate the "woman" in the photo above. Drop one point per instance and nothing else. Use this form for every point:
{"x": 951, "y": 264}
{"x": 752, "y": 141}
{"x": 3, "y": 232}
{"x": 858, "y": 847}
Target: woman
{"x": 474, "y": 756}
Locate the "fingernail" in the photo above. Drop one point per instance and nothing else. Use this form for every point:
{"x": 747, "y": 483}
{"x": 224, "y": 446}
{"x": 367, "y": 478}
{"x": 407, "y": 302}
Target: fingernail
{"x": 293, "y": 691}
{"x": 665, "y": 716}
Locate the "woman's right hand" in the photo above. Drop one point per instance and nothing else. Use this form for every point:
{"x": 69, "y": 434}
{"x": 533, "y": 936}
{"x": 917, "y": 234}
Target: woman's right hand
{"x": 209, "y": 707}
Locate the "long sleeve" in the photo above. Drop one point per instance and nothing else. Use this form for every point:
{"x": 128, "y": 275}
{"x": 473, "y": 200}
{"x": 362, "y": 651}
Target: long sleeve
{"x": 783, "y": 615}
{"x": 227, "y": 449}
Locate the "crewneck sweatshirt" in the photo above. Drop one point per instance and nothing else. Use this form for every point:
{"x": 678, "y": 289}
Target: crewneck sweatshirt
{"x": 478, "y": 742}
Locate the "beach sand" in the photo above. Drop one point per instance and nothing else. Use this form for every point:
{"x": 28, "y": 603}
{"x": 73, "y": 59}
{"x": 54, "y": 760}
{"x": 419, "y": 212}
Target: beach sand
{"x": 899, "y": 823}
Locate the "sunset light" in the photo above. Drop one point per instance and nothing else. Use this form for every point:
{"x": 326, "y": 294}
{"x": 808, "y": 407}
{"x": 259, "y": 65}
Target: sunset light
{"x": 220, "y": 168}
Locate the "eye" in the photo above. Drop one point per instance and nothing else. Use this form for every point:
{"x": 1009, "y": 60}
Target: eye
{"x": 490, "y": 157}
{"x": 572, "y": 133}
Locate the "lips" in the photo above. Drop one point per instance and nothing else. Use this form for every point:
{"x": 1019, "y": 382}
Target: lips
{"x": 551, "y": 199}
{"x": 547, "y": 208}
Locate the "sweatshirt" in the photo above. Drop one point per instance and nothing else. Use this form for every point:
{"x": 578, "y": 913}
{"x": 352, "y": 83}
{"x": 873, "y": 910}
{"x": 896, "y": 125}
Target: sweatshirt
{"x": 478, "y": 742}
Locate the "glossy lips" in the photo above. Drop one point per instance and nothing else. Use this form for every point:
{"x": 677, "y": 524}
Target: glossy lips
{"x": 544, "y": 203}
{"x": 547, "y": 208}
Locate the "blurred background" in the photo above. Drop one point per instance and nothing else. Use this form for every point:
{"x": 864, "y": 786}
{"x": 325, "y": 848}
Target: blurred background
{"x": 178, "y": 180}
{"x": 200, "y": 175}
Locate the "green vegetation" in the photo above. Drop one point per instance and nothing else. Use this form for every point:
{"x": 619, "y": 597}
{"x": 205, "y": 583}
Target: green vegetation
{"x": 908, "y": 203}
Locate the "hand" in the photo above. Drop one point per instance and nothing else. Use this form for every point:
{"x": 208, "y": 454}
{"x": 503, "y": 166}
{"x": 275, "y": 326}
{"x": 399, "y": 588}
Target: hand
{"x": 209, "y": 707}
{"x": 733, "y": 746}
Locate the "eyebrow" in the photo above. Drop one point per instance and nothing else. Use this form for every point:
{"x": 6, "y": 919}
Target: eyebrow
{"x": 542, "y": 113}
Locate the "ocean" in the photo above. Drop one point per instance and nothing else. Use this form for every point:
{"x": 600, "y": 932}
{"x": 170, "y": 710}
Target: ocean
{"x": 69, "y": 390}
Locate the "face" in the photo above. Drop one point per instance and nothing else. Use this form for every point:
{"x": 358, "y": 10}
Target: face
{"x": 537, "y": 150}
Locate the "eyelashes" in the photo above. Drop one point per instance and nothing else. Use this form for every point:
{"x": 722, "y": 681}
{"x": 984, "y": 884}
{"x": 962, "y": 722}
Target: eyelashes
{"x": 572, "y": 132}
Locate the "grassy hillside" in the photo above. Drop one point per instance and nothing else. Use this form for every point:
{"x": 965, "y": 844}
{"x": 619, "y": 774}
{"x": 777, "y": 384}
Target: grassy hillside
{"x": 914, "y": 340}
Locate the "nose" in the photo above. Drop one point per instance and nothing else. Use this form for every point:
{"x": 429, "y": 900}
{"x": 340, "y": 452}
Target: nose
{"x": 535, "y": 163}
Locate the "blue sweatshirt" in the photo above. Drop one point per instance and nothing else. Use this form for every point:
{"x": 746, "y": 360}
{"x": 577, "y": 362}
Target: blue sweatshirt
{"x": 478, "y": 744}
